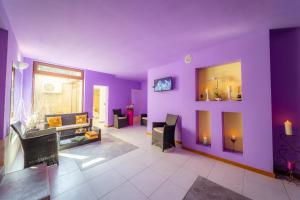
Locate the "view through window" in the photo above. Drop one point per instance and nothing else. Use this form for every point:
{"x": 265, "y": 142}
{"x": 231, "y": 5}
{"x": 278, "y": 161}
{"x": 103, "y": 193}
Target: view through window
{"x": 57, "y": 90}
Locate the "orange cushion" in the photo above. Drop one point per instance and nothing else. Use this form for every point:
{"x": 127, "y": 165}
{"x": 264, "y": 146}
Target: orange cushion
{"x": 54, "y": 121}
{"x": 91, "y": 133}
{"x": 81, "y": 119}
{"x": 90, "y": 137}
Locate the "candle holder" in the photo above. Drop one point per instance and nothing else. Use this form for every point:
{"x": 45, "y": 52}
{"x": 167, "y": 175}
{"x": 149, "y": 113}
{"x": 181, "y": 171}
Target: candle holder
{"x": 286, "y": 167}
{"x": 291, "y": 168}
{"x": 233, "y": 140}
{"x": 206, "y": 94}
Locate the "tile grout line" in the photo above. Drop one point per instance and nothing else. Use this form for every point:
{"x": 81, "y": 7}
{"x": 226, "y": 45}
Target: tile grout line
{"x": 168, "y": 178}
{"x": 244, "y": 176}
{"x": 111, "y": 189}
{"x": 211, "y": 169}
{"x": 128, "y": 180}
{"x": 287, "y": 193}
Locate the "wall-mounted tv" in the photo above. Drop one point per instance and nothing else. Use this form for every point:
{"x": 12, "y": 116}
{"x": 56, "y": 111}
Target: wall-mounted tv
{"x": 163, "y": 84}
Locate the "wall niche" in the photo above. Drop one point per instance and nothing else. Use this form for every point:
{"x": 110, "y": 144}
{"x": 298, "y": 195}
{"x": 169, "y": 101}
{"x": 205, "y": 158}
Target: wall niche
{"x": 203, "y": 136}
{"x": 219, "y": 83}
{"x": 232, "y": 132}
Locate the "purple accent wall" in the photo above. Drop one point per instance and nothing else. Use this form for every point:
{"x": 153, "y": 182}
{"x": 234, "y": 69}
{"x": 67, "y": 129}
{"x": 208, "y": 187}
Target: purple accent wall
{"x": 285, "y": 73}
{"x": 12, "y": 55}
{"x": 254, "y": 53}
{"x": 3, "y": 57}
{"x": 119, "y": 94}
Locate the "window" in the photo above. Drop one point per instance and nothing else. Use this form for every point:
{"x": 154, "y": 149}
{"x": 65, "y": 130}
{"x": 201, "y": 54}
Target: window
{"x": 57, "y": 89}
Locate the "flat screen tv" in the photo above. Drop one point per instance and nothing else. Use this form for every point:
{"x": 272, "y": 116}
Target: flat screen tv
{"x": 163, "y": 84}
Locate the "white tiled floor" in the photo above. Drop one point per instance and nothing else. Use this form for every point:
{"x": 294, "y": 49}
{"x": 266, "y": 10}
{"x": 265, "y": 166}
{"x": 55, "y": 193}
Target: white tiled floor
{"x": 147, "y": 173}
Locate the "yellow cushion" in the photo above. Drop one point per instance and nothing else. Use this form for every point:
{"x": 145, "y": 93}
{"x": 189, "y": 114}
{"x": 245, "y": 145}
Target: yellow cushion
{"x": 54, "y": 121}
{"x": 81, "y": 119}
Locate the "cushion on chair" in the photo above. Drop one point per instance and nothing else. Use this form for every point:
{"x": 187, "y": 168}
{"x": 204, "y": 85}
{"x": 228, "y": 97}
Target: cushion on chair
{"x": 81, "y": 119}
{"x": 159, "y": 129}
{"x": 72, "y": 126}
{"x": 122, "y": 117}
{"x": 171, "y": 119}
{"x": 54, "y": 121}
{"x": 144, "y": 118}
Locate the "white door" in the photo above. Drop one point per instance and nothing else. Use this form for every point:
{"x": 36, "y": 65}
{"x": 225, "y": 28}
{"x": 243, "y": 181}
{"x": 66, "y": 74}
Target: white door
{"x": 103, "y": 107}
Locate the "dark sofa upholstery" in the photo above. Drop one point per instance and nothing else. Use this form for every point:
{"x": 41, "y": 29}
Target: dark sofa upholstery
{"x": 39, "y": 146}
{"x": 163, "y": 133}
{"x": 144, "y": 120}
{"x": 68, "y": 123}
{"x": 120, "y": 120}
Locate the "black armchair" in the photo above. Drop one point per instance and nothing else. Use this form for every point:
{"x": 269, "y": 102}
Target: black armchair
{"x": 39, "y": 146}
{"x": 120, "y": 120}
{"x": 143, "y": 119}
{"x": 163, "y": 133}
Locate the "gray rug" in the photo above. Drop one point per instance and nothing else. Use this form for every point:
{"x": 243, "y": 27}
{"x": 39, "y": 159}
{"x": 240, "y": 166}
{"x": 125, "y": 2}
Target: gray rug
{"x": 203, "y": 189}
{"x": 95, "y": 153}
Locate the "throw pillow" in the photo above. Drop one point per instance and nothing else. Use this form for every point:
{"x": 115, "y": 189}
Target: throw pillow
{"x": 81, "y": 119}
{"x": 54, "y": 121}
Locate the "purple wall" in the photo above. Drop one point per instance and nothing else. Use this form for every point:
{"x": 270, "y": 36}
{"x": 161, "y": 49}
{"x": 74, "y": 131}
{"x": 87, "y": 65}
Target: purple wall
{"x": 13, "y": 55}
{"x": 253, "y": 51}
{"x": 119, "y": 93}
{"x": 285, "y": 73}
{"x": 3, "y": 57}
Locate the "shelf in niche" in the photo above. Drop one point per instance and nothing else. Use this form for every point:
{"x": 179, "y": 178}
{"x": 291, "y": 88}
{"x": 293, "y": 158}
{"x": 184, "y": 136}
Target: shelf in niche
{"x": 232, "y": 132}
{"x": 220, "y": 83}
{"x": 203, "y": 136}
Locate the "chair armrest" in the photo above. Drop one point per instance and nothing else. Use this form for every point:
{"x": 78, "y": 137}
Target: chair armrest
{"x": 158, "y": 124}
{"x": 41, "y": 133}
{"x": 117, "y": 117}
{"x": 41, "y": 140}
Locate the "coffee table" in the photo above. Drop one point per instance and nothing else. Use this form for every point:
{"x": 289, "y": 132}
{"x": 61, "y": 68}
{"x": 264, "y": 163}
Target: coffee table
{"x": 66, "y": 143}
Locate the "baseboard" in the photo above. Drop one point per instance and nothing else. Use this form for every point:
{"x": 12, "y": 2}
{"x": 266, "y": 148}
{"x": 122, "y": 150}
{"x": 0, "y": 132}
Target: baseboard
{"x": 259, "y": 171}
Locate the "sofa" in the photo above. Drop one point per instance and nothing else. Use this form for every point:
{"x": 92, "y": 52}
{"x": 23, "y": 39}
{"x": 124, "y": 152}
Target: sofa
{"x": 144, "y": 119}
{"x": 69, "y": 123}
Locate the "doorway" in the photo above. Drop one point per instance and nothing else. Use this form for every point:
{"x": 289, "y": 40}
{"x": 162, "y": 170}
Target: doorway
{"x": 100, "y": 105}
